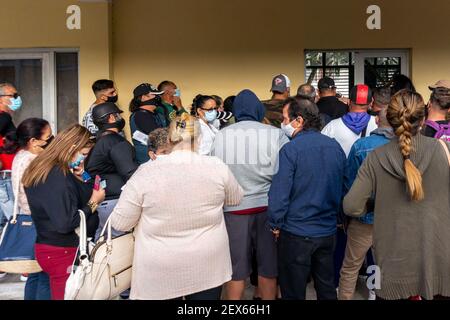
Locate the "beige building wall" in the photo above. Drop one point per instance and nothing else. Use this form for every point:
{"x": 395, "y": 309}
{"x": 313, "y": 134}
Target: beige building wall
{"x": 222, "y": 46}
{"x": 42, "y": 24}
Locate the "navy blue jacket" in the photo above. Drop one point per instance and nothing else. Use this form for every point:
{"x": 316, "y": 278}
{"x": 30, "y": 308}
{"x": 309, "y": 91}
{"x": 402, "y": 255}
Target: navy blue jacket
{"x": 306, "y": 193}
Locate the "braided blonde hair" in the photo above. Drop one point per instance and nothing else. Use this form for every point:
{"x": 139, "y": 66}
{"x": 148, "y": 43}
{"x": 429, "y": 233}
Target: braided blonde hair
{"x": 405, "y": 114}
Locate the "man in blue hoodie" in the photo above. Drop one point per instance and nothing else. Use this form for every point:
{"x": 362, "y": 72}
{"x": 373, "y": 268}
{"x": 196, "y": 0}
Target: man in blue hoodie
{"x": 346, "y": 130}
{"x": 355, "y": 124}
{"x": 250, "y": 149}
{"x": 304, "y": 201}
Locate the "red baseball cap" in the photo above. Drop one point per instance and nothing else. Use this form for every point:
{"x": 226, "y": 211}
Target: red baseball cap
{"x": 361, "y": 94}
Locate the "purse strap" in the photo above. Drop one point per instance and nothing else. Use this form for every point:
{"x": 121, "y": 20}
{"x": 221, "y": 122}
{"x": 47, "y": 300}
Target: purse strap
{"x": 16, "y": 204}
{"x": 447, "y": 152}
{"x": 109, "y": 227}
{"x": 84, "y": 258}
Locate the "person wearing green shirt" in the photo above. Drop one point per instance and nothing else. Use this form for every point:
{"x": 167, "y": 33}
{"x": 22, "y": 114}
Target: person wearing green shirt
{"x": 171, "y": 105}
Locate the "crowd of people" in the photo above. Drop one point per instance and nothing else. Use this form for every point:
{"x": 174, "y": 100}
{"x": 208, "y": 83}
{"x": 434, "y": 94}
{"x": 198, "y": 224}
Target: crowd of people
{"x": 285, "y": 191}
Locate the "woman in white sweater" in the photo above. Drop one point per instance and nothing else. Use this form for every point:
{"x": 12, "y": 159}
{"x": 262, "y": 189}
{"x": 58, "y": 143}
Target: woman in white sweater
{"x": 175, "y": 206}
{"x": 205, "y": 109}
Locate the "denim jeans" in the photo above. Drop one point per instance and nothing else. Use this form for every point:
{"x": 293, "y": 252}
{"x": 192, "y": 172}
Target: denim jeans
{"x": 38, "y": 287}
{"x": 104, "y": 210}
{"x": 298, "y": 257}
{"x": 6, "y": 200}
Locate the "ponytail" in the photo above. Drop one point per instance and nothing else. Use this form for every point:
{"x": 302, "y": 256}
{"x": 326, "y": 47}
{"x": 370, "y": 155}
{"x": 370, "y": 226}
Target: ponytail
{"x": 135, "y": 103}
{"x": 405, "y": 112}
{"x": 413, "y": 175}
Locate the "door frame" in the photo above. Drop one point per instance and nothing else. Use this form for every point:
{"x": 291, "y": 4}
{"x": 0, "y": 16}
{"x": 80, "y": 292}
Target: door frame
{"x": 49, "y": 98}
{"x": 361, "y": 55}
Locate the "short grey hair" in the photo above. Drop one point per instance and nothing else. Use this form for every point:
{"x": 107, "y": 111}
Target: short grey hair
{"x": 158, "y": 138}
{"x": 4, "y": 85}
{"x": 306, "y": 91}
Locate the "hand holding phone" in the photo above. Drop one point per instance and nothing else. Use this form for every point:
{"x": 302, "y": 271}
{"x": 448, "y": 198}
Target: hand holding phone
{"x": 97, "y": 183}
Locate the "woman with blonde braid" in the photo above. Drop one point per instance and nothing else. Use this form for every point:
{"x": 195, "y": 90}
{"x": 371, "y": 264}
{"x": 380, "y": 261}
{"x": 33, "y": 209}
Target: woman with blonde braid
{"x": 409, "y": 180}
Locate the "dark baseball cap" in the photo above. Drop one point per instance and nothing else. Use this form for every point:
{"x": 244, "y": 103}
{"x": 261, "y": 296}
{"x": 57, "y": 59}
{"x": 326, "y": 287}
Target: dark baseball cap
{"x": 280, "y": 83}
{"x": 361, "y": 94}
{"x": 326, "y": 83}
{"x": 146, "y": 88}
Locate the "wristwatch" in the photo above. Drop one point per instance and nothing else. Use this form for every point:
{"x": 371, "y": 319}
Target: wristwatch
{"x": 93, "y": 205}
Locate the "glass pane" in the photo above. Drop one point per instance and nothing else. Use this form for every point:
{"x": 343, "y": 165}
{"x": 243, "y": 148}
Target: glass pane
{"x": 341, "y": 78}
{"x": 313, "y": 59}
{"x": 380, "y": 75}
{"x": 26, "y": 76}
{"x": 67, "y": 89}
{"x": 388, "y": 61}
{"x": 313, "y": 75}
{"x": 370, "y": 60}
{"x": 339, "y": 58}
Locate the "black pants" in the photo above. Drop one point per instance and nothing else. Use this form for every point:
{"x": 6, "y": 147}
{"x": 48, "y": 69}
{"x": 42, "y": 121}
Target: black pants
{"x": 298, "y": 257}
{"x": 210, "y": 294}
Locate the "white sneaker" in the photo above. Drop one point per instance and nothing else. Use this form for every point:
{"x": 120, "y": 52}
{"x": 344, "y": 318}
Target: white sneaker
{"x": 23, "y": 278}
{"x": 372, "y": 295}
{"x": 2, "y": 275}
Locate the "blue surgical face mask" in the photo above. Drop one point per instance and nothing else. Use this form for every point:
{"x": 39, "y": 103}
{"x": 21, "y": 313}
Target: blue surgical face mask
{"x": 77, "y": 162}
{"x": 211, "y": 115}
{"x": 16, "y": 103}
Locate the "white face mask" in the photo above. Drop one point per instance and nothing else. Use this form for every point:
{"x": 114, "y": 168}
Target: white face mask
{"x": 288, "y": 129}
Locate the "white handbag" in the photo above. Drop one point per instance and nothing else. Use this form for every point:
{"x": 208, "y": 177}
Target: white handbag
{"x": 105, "y": 271}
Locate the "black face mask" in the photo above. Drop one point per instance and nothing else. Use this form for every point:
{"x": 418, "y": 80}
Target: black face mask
{"x": 49, "y": 140}
{"x": 113, "y": 99}
{"x": 372, "y": 113}
{"x": 119, "y": 124}
{"x": 153, "y": 102}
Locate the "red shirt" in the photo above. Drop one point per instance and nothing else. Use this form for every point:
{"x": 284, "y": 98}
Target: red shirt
{"x": 250, "y": 211}
{"x": 6, "y": 159}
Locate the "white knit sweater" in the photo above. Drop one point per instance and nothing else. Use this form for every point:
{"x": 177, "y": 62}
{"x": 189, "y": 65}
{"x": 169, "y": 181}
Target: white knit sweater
{"x": 176, "y": 205}
{"x": 21, "y": 162}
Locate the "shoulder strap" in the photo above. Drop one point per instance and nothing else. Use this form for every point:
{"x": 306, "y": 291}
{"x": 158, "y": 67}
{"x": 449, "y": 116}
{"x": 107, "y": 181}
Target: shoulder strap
{"x": 364, "y": 132}
{"x": 447, "y": 152}
{"x": 16, "y": 204}
{"x": 433, "y": 124}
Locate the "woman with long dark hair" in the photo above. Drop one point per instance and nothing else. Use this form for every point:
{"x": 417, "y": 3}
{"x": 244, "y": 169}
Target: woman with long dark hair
{"x": 30, "y": 139}
{"x": 56, "y": 190}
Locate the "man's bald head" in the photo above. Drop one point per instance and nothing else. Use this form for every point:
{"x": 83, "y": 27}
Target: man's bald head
{"x": 307, "y": 91}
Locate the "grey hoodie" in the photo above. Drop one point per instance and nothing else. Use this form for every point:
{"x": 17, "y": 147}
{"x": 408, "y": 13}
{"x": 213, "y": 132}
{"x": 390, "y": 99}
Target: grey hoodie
{"x": 250, "y": 149}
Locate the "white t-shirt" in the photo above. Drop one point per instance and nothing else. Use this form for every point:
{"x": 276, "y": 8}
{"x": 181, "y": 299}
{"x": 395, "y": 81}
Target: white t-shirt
{"x": 344, "y": 136}
{"x": 207, "y": 136}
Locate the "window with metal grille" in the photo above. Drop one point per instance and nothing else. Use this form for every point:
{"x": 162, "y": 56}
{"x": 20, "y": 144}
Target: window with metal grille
{"x": 338, "y": 65}
{"x": 379, "y": 71}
